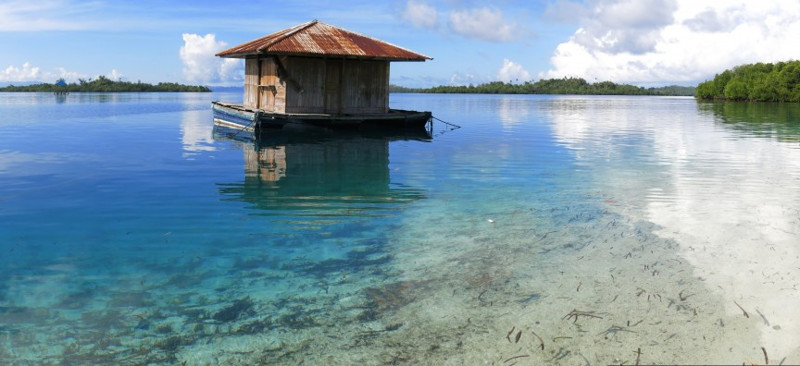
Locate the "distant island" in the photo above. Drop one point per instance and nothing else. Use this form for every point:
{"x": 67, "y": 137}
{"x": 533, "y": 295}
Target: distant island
{"x": 104, "y": 84}
{"x": 552, "y": 86}
{"x": 760, "y": 82}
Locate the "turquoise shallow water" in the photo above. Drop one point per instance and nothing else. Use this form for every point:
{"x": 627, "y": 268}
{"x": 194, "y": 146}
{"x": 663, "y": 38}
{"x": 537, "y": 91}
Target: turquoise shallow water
{"x": 546, "y": 230}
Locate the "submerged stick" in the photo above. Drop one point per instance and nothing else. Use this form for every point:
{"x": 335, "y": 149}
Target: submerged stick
{"x": 763, "y": 317}
{"x": 614, "y": 329}
{"x": 508, "y": 336}
{"x": 766, "y": 359}
{"x": 516, "y": 357}
{"x": 576, "y": 313}
{"x": 746, "y": 315}
{"x": 541, "y": 341}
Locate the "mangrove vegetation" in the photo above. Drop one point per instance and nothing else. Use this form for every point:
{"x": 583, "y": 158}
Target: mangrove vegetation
{"x": 104, "y": 84}
{"x": 760, "y": 82}
{"x": 551, "y": 86}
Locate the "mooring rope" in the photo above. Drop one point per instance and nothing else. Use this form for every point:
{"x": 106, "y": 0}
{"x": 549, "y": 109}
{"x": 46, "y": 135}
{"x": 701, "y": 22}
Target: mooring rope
{"x": 453, "y": 126}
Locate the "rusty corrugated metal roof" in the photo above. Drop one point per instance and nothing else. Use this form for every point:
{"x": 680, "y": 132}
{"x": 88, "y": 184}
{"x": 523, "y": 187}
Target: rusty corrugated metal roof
{"x": 316, "y": 38}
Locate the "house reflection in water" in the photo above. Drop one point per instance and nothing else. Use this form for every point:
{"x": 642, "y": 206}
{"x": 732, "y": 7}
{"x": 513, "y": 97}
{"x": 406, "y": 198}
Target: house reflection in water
{"x": 322, "y": 178}
{"x": 268, "y": 164}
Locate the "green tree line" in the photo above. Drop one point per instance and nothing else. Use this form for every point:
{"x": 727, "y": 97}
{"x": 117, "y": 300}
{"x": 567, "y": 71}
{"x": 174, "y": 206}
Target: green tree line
{"x": 760, "y": 82}
{"x": 104, "y": 84}
{"x": 551, "y": 86}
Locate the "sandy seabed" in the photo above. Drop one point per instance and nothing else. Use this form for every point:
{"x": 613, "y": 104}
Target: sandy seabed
{"x": 534, "y": 284}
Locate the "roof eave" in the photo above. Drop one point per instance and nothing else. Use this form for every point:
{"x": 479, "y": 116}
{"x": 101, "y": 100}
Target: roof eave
{"x": 233, "y": 55}
{"x": 391, "y": 59}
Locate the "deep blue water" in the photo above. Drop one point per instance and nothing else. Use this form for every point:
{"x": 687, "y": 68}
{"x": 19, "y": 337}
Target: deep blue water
{"x": 133, "y": 232}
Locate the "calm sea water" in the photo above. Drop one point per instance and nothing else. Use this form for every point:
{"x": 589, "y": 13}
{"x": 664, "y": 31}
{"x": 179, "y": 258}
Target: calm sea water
{"x": 546, "y": 230}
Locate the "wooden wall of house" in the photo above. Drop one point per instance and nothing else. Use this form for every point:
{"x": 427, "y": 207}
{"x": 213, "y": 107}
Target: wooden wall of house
{"x": 305, "y": 84}
{"x": 263, "y": 87}
{"x": 317, "y": 85}
{"x": 272, "y": 91}
{"x": 250, "y": 83}
{"x": 365, "y": 87}
{"x": 336, "y": 85}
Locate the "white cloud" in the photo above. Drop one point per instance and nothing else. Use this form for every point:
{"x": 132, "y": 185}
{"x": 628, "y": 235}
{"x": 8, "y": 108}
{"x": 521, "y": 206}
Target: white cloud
{"x": 200, "y": 64}
{"x": 467, "y": 78}
{"x": 28, "y": 72}
{"x": 24, "y": 73}
{"x": 676, "y": 41}
{"x": 635, "y": 14}
{"x": 710, "y": 21}
{"x": 625, "y": 25}
{"x": 114, "y": 75}
{"x": 420, "y": 14}
{"x": 63, "y": 73}
{"x": 487, "y": 24}
{"x": 513, "y": 72}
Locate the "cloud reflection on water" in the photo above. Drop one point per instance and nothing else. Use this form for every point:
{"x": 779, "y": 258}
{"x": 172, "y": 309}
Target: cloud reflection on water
{"x": 726, "y": 192}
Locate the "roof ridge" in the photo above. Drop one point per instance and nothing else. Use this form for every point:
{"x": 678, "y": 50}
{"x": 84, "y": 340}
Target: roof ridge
{"x": 288, "y": 34}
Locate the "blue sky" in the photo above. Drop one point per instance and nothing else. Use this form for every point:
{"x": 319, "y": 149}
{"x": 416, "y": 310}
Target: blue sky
{"x": 643, "y": 42}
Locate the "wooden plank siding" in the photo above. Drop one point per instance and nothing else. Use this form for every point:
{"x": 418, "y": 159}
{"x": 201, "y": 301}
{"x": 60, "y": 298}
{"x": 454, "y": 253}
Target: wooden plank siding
{"x": 305, "y": 81}
{"x": 251, "y": 83}
{"x": 365, "y": 87}
{"x": 292, "y": 84}
{"x": 272, "y": 92}
{"x": 333, "y": 86}
{"x": 266, "y": 85}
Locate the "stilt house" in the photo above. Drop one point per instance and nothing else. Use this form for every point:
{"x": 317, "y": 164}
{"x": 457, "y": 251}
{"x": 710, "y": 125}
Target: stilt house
{"x": 318, "y": 68}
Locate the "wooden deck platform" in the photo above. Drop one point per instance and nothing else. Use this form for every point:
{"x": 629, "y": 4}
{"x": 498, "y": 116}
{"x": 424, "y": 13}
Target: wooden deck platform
{"x": 237, "y": 116}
